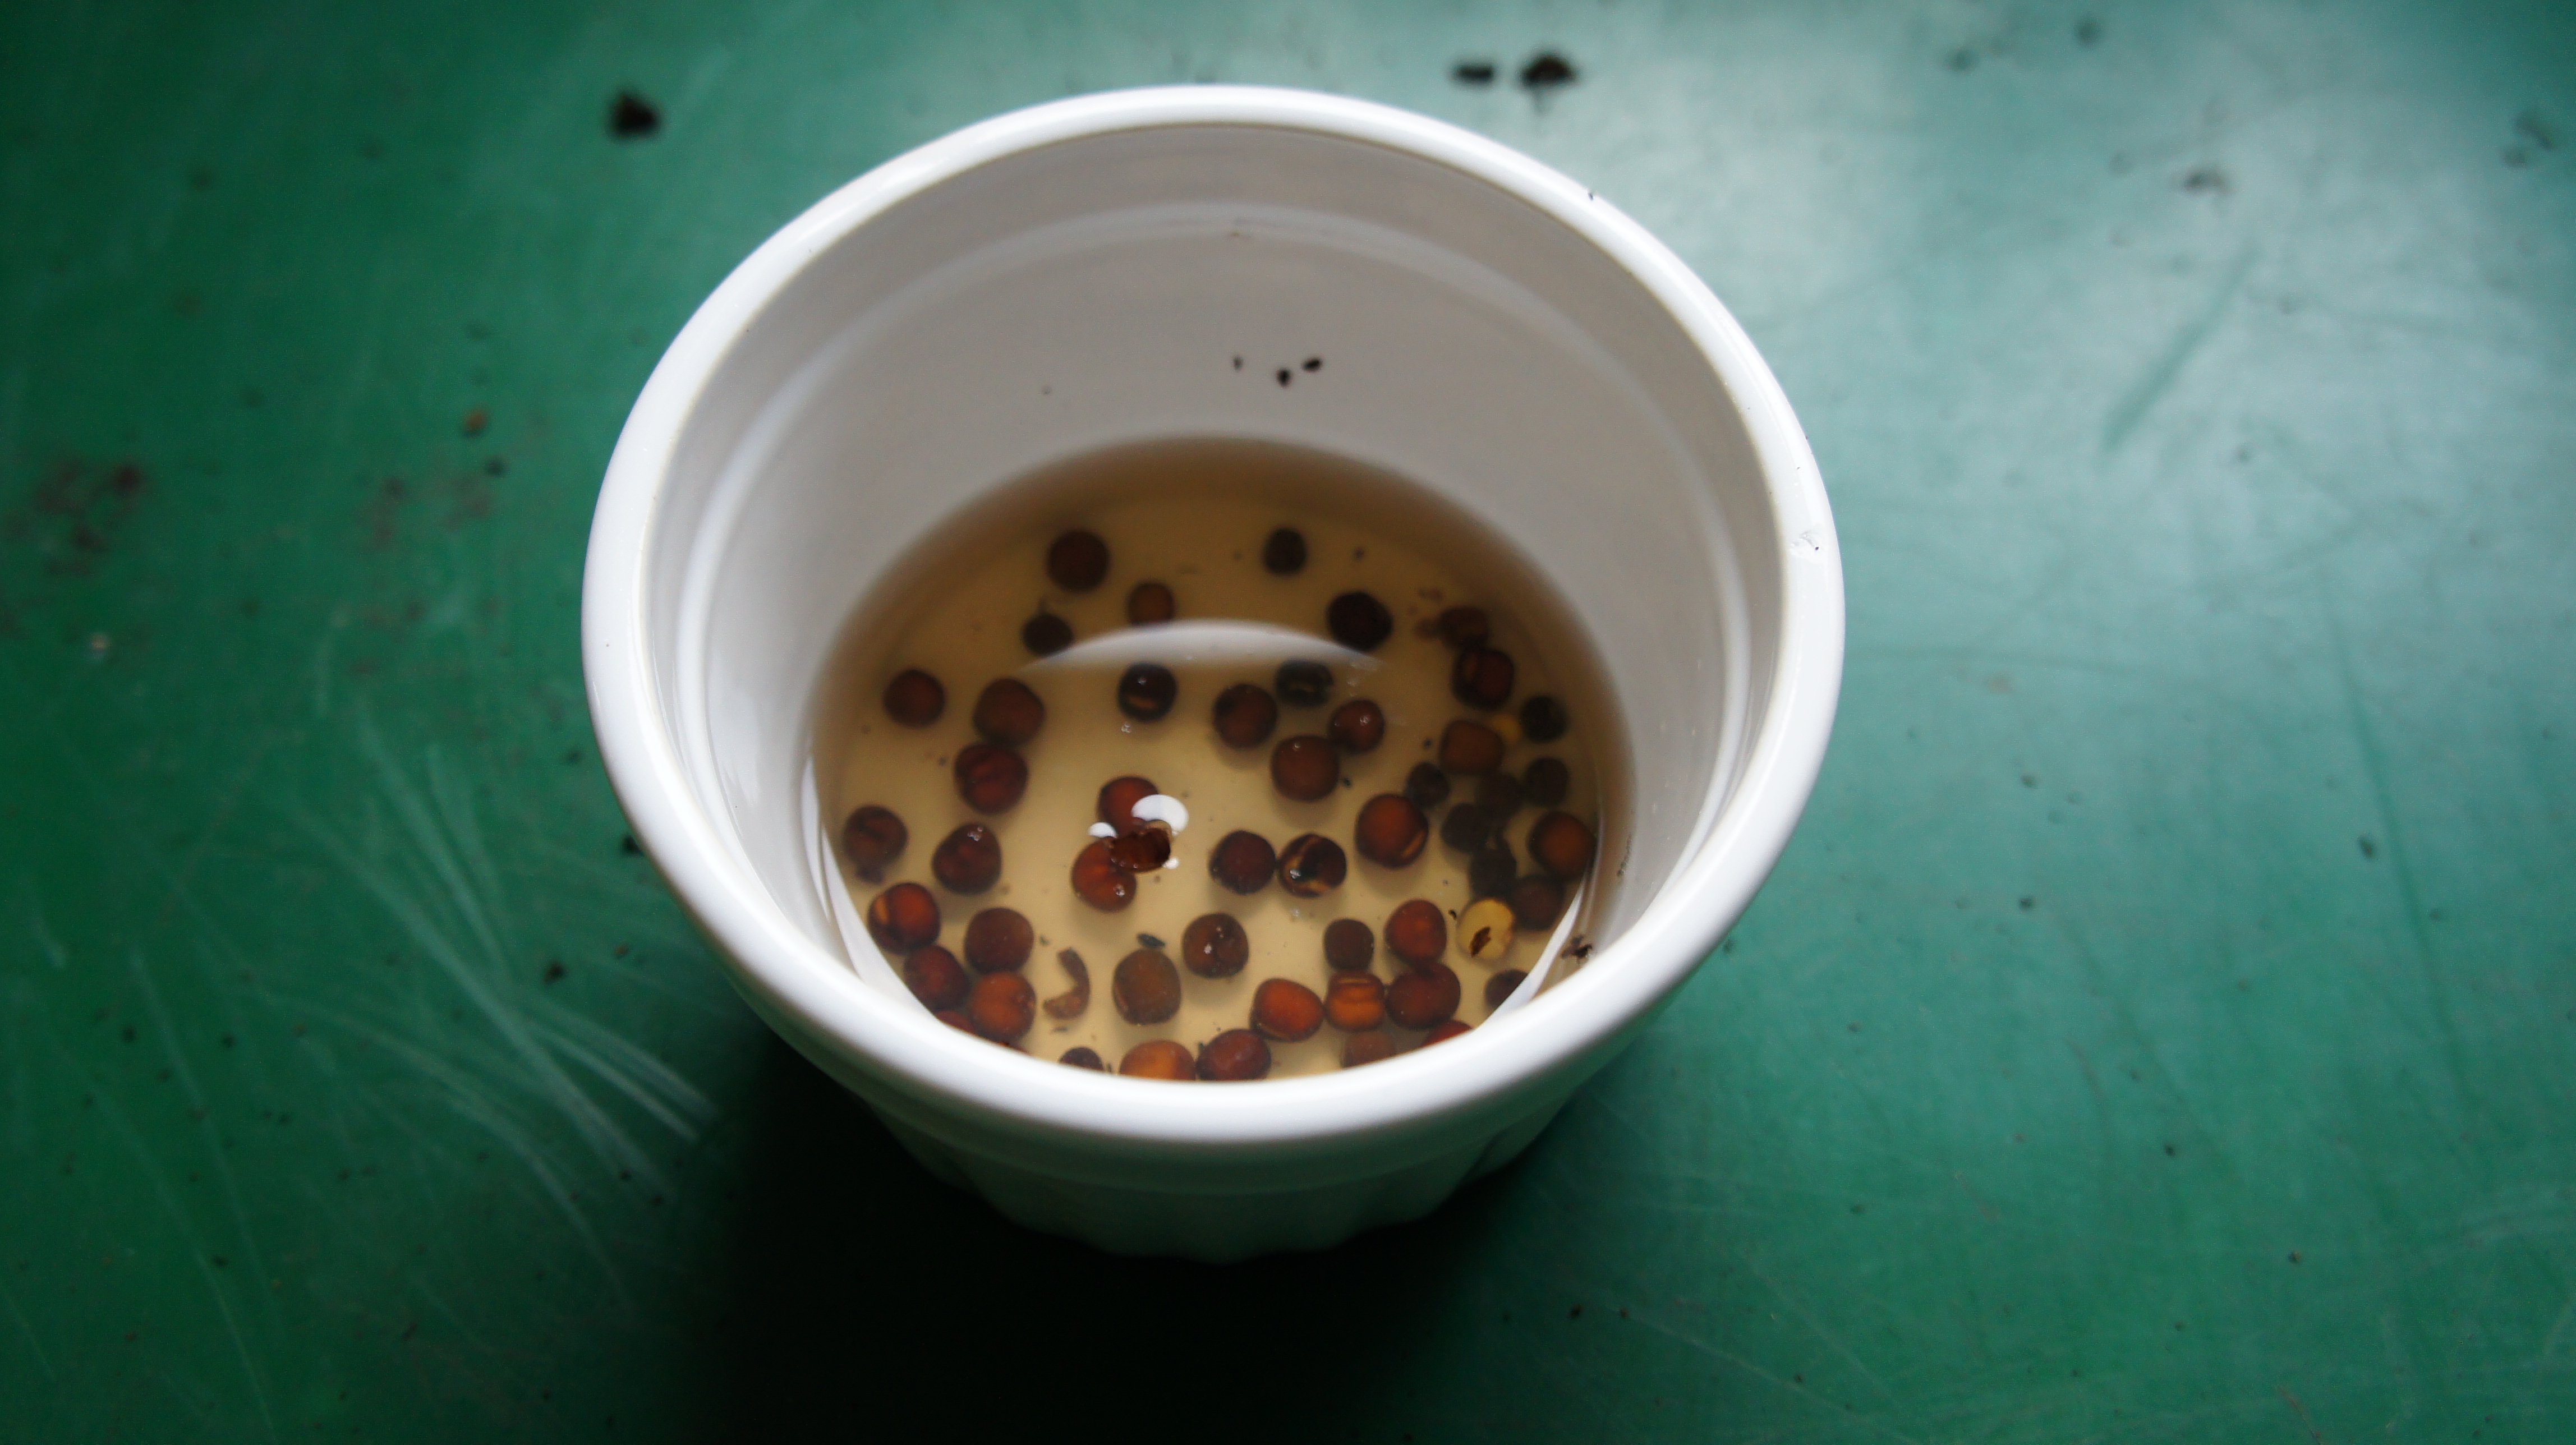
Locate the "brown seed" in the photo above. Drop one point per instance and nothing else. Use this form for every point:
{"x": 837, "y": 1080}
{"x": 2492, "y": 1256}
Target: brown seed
{"x": 1242, "y": 861}
{"x": 1286, "y": 1010}
{"x": 1466, "y": 828}
{"x": 1482, "y": 678}
{"x": 1301, "y": 682}
{"x": 1543, "y": 718}
{"x": 1502, "y": 986}
{"x": 1544, "y": 782}
{"x": 1150, "y": 603}
{"x": 1358, "y": 621}
{"x": 990, "y": 779}
{"x": 1071, "y": 1003}
{"x": 1491, "y": 871}
{"x": 934, "y": 978}
{"x": 872, "y": 839}
{"x": 1423, "y": 997}
{"x": 1009, "y": 713}
{"x": 1312, "y": 865}
{"x": 1561, "y": 844}
{"x": 1367, "y": 1047}
{"x": 1146, "y": 988}
{"x": 915, "y": 699}
{"x": 998, "y": 940}
{"x": 1046, "y": 634}
{"x": 1427, "y": 786}
{"x": 1349, "y": 945}
{"x": 1417, "y": 932}
{"x": 1077, "y": 561}
{"x": 1003, "y": 1006}
{"x": 1470, "y": 747}
{"x": 1159, "y": 1059}
{"x": 1499, "y": 794}
{"x": 903, "y": 918}
{"x": 1082, "y": 1058}
{"x": 968, "y": 860}
{"x": 1355, "y": 1001}
{"x": 1485, "y": 930}
{"x": 1358, "y": 726}
{"x": 956, "y": 1019}
{"x": 1118, "y": 800}
{"x": 1390, "y": 831}
{"x": 1146, "y": 691}
{"x": 1141, "y": 851}
{"x": 1536, "y": 902}
{"x": 1245, "y": 715}
{"x": 1443, "y": 1032}
{"x": 1099, "y": 881}
{"x": 1284, "y": 553}
{"x": 1465, "y": 627}
{"x": 1233, "y": 1057}
{"x": 1305, "y": 768}
{"x": 1215, "y": 946}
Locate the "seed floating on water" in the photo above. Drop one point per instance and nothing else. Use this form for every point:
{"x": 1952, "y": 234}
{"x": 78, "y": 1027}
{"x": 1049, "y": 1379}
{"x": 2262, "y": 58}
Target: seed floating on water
{"x": 1141, "y": 851}
{"x": 872, "y": 839}
{"x": 1099, "y": 881}
{"x": 1312, "y": 865}
{"x": 1367, "y": 1047}
{"x": 1151, "y": 603}
{"x": 1418, "y": 932}
{"x": 1482, "y": 678}
{"x": 1499, "y": 794}
{"x": 1305, "y": 768}
{"x": 1561, "y": 844}
{"x": 1444, "y": 1031}
{"x": 1357, "y": 726}
{"x": 1466, "y": 828}
{"x": 1286, "y": 1010}
{"x": 1490, "y": 872}
{"x": 1242, "y": 861}
{"x": 990, "y": 779}
{"x": 1502, "y": 986}
{"x": 1146, "y": 691}
{"x": 1426, "y": 996}
{"x": 1081, "y": 1058}
{"x": 1544, "y": 719}
{"x": 1544, "y": 782}
{"x": 1233, "y": 1057}
{"x": 1215, "y": 946}
{"x": 1145, "y": 987}
{"x": 1008, "y": 713}
{"x": 903, "y": 918}
{"x": 1046, "y": 634}
{"x": 1303, "y": 683}
{"x": 1245, "y": 715}
{"x": 998, "y": 940}
{"x": 1485, "y": 930}
{"x": 1349, "y": 945}
{"x": 934, "y": 978}
{"x": 1358, "y": 621}
{"x": 1355, "y": 1001}
{"x": 915, "y": 699}
{"x": 1537, "y": 902}
{"x": 1470, "y": 748}
{"x": 1464, "y": 627}
{"x": 1071, "y": 1003}
{"x": 1390, "y": 831}
{"x": 956, "y": 1019}
{"x": 1159, "y": 1059}
{"x": 1077, "y": 561}
{"x": 1284, "y": 553}
{"x": 1003, "y": 1006}
{"x": 1118, "y": 800}
{"x": 968, "y": 860}
{"x": 1427, "y": 786}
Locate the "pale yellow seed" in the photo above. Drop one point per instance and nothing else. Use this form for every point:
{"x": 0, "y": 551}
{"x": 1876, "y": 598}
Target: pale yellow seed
{"x": 1484, "y": 931}
{"x": 1506, "y": 727}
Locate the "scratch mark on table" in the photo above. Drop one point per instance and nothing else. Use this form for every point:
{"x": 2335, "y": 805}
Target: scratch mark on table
{"x": 2302, "y": 1412}
{"x": 10, "y": 1298}
{"x": 1817, "y": 1327}
{"x": 2160, "y": 375}
{"x": 196, "y": 1098}
{"x": 1729, "y": 1357}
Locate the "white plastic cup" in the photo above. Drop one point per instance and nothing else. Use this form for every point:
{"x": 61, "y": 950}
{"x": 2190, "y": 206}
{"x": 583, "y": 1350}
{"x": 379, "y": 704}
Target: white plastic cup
{"x": 1083, "y": 274}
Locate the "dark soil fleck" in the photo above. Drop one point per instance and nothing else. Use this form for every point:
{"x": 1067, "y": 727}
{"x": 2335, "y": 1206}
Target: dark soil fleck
{"x": 1473, "y": 72}
{"x": 632, "y": 117}
{"x": 1547, "y": 71}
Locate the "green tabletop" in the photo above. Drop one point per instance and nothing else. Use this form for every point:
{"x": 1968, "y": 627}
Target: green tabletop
{"x": 2164, "y": 1027}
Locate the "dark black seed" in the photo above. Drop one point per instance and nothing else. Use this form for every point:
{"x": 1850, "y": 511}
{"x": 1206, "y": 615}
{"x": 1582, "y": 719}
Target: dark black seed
{"x": 1314, "y": 363}
{"x": 1304, "y": 684}
{"x": 1283, "y": 376}
{"x": 1084, "y": 1059}
{"x": 1358, "y": 621}
{"x": 1499, "y": 794}
{"x": 1077, "y": 560}
{"x": 1284, "y": 554}
{"x": 1544, "y": 782}
{"x": 1046, "y": 634}
{"x": 1427, "y": 786}
{"x": 1546, "y": 71}
{"x": 1466, "y": 828}
{"x": 1491, "y": 872}
{"x": 1543, "y": 719}
{"x": 1146, "y": 691}
{"x": 1473, "y": 72}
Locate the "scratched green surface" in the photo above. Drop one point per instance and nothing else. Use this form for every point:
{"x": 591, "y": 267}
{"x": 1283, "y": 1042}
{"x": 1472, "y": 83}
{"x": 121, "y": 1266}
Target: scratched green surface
{"x": 2163, "y": 1029}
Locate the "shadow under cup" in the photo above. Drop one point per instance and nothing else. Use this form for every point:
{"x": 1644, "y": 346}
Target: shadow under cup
{"x": 1033, "y": 289}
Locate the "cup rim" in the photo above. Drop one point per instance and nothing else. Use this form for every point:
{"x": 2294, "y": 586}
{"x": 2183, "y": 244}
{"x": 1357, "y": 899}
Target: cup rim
{"x": 792, "y": 980}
